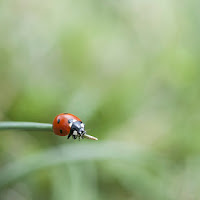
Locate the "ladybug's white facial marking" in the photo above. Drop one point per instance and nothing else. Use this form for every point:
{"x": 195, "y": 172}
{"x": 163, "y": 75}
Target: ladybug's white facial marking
{"x": 82, "y": 125}
{"x": 75, "y": 133}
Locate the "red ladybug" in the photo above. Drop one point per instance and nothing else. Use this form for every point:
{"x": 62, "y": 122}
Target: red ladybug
{"x": 68, "y": 124}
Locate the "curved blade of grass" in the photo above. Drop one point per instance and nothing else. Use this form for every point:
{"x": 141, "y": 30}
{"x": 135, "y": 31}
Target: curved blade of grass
{"x": 70, "y": 153}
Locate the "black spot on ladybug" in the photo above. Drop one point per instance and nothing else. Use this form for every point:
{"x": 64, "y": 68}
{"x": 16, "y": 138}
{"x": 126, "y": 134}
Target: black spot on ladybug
{"x": 58, "y": 121}
{"x": 60, "y": 131}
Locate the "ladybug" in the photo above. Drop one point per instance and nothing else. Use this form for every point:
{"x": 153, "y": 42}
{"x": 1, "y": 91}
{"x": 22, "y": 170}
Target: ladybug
{"x": 68, "y": 124}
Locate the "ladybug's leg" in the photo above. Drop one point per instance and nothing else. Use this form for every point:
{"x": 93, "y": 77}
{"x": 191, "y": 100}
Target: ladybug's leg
{"x": 69, "y": 136}
{"x": 81, "y": 137}
{"x": 74, "y": 136}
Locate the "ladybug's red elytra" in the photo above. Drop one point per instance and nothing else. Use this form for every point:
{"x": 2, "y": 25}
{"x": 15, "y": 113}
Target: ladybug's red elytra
{"x": 68, "y": 124}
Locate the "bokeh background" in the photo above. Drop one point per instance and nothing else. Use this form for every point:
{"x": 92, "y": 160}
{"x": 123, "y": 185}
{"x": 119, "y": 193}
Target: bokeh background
{"x": 130, "y": 70}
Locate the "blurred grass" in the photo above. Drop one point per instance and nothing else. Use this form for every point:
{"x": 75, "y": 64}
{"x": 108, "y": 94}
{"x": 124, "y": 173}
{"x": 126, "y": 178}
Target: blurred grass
{"x": 129, "y": 70}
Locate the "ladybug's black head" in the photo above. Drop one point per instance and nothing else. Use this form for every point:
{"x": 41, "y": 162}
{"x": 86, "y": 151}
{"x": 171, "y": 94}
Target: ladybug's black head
{"x": 77, "y": 128}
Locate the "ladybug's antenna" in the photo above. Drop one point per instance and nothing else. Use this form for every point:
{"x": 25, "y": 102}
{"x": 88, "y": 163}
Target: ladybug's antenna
{"x": 90, "y": 137}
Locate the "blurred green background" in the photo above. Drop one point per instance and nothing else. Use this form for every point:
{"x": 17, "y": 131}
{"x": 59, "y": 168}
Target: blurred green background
{"x": 130, "y": 70}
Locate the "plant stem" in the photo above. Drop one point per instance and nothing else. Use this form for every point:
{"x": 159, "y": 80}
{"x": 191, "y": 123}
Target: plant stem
{"x": 26, "y": 126}
{"x": 32, "y": 126}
